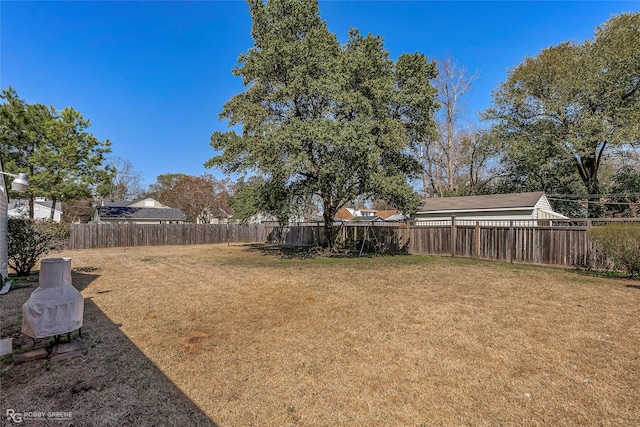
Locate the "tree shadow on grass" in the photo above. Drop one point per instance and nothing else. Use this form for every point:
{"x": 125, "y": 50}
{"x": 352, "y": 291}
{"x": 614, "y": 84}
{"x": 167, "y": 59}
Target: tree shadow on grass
{"x": 307, "y": 252}
{"x": 285, "y": 251}
{"x": 111, "y": 384}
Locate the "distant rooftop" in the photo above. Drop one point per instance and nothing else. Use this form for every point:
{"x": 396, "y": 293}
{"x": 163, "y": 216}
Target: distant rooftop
{"x": 140, "y": 213}
{"x": 492, "y": 201}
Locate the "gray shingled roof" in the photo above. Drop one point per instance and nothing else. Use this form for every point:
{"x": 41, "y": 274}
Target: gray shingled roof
{"x": 140, "y": 213}
{"x": 493, "y": 201}
{"x": 116, "y": 203}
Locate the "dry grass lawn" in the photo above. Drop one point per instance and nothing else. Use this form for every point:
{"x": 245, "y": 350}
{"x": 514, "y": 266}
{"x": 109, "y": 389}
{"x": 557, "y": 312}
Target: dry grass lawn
{"x": 238, "y": 336}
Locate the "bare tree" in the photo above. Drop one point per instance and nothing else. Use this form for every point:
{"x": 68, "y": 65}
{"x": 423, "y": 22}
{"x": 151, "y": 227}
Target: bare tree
{"x": 479, "y": 161}
{"x": 201, "y": 198}
{"x": 452, "y": 82}
{"x": 125, "y": 184}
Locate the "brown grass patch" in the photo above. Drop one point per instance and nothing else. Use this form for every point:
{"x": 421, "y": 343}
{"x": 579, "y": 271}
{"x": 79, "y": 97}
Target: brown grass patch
{"x": 255, "y": 338}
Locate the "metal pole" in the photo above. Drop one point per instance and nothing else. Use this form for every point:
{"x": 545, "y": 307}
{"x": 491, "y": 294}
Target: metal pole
{"x": 4, "y": 233}
{"x": 20, "y": 184}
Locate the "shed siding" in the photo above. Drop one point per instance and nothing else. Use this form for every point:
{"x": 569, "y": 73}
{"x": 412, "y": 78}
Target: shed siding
{"x": 469, "y": 218}
{"x": 543, "y": 203}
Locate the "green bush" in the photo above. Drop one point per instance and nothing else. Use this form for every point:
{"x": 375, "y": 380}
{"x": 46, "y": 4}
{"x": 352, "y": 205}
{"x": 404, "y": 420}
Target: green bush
{"x": 621, "y": 242}
{"x": 30, "y": 239}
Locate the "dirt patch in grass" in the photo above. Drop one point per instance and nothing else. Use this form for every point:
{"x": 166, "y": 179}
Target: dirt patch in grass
{"x": 237, "y": 336}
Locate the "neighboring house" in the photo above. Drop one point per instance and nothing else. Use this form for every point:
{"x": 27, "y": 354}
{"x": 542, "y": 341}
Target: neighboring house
{"x": 345, "y": 214}
{"x": 147, "y": 203}
{"x": 390, "y": 215}
{"x": 41, "y": 209}
{"x": 368, "y": 218}
{"x": 495, "y": 209}
{"x": 350, "y": 214}
{"x": 396, "y": 217}
{"x": 146, "y": 211}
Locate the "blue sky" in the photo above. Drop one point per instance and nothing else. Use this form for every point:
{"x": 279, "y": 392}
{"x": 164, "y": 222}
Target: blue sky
{"x": 152, "y": 76}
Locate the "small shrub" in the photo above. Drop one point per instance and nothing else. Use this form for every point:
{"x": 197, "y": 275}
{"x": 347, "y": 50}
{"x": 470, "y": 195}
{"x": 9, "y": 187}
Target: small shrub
{"x": 621, "y": 242}
{"x": 30, "y": 239}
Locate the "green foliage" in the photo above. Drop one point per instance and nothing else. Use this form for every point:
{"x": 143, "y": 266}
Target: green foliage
{"x": 257, "y": 195}
{"x": 320, "y": 119}
{"x": 30, "y": 239}
{"x": 626, "y": 190}
{"x": 62, "y": 159}
{"x": 622, "y": 243}
{"x": 560, "y": 113}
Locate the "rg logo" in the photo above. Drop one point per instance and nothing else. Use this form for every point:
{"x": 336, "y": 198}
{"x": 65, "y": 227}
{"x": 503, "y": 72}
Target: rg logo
{"x": 14, "y": 416}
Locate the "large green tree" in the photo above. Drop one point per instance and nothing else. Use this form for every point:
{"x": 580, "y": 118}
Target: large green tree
{"x": 319, "y": 119}
{"x": 71, "y": 161}
{"x": 571, "y": 105}
{"x": 23, "y": 129}
{"x": 63, "y": 160}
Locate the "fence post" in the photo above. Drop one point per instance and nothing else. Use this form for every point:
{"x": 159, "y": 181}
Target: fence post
{"x": 453, "y": 236}
{"x": 512, "y": 242}
{"x": 124, "y": 246}
{"x": 589, "y": 260}
{"x": 165, "y": 234}
{"x": 477, "y": 239}
{"x": 407, "y": 235}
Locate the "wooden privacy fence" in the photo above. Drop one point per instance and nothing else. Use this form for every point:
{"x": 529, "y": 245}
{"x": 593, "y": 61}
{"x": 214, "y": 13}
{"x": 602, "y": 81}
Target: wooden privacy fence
{"x": 566, "y": 246}
{"x": 90, "y": 236}
{"x": 563, "y": 243}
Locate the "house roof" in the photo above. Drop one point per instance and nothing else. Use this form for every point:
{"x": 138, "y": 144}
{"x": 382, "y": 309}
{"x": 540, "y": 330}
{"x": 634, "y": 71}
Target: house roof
{"x": 140, "y": 213}
{"x": 142, "y": 203}
{"x": 147, "y": 202}
{"x": 492, "y": 201}
{"x": 387, "y": 213}
{"x": 396, "y": 217}
{"x": 367, "y": 218}
{"x": 115, "y": 203}
{"x": 344, "y": 214}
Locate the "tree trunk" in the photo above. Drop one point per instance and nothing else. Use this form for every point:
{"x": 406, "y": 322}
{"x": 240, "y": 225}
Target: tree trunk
{"x": 328, "y": 227}
{"x": 52, "y": 213}
{"x": 588, "y": 167}
{"x": 450, "y": 151}
{"x": 31, "y": 213}
{"x": 425, "y": 184}
{"x": 594, "y": 208}
{"x": 329, "y": 212}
